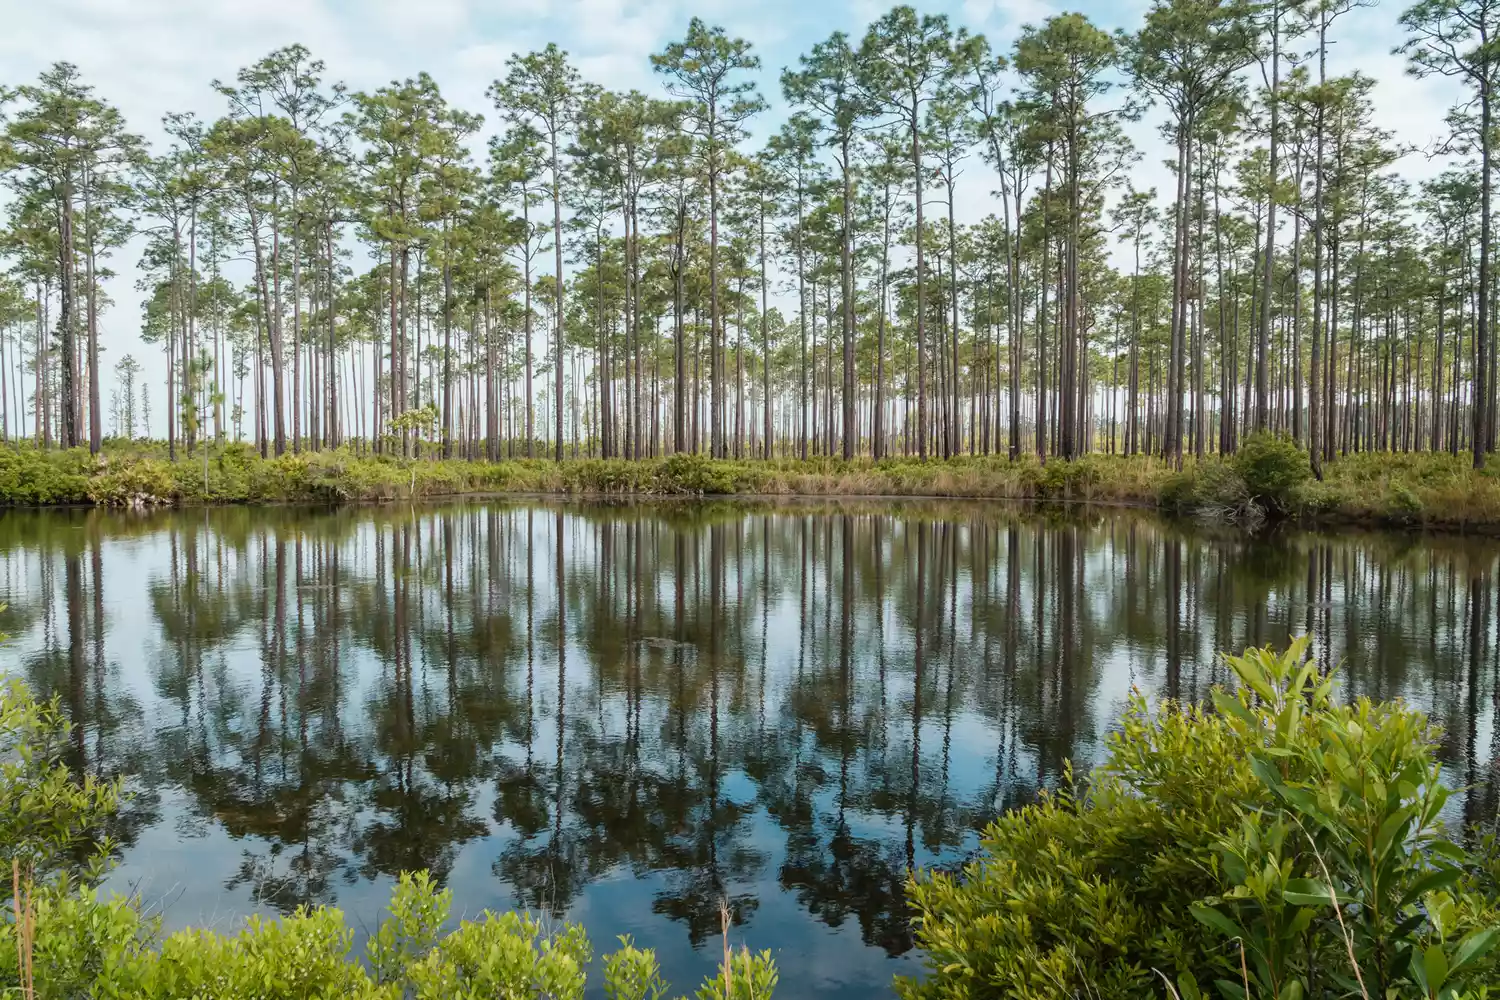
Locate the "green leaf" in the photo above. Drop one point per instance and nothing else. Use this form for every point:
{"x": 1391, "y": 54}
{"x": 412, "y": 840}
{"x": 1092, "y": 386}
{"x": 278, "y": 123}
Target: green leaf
{"x": 1303, "y": 801}
{"x": 1439, "y": 878}
{"x": 1474, "y": 947}
{"x": 1231, "y": 991}
{"x": 1310, "y": 892}
{"x": 1210, "y": 917}
{"x": 1448, "y": 849}
{"x": 1267, "y": 774}
{"x": 1435, "y": 964}
{"x": 1392, "y": 830}
{"x": 1226, "y": 704}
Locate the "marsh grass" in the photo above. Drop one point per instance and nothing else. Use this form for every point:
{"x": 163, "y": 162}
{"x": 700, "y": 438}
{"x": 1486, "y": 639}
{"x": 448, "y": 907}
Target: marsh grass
{"x": 1266, "y": 478}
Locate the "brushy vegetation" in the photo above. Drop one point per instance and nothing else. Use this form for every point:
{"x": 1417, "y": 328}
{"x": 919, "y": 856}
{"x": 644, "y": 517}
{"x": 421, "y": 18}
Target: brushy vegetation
{"x": 62, "y": 939}
{"x": 1268, "y": 477}
{"x": 1281, "y": 846}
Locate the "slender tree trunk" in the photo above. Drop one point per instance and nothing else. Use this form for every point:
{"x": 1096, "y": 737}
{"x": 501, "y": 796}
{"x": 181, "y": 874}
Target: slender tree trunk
{"x": 765, "y": 341}
{"x": 91, "y": 304}
{"x": 953, "y": 440}
{"x": 680, "y": 395}
{"x": 846, "y": 265}
{"x": 878, "y": 434}
{"x": 915, "y": 123}
{"x": 1483, "y": 404}
{"x": 1263, "y": 344}
{"x": 67, "y": 306}
{"x": 557, "y": 296}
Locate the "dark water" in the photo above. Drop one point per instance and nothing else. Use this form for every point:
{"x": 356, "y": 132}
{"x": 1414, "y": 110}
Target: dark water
{"x": 628, "y": 714}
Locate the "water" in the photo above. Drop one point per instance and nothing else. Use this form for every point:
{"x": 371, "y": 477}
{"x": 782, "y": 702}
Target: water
{"x": 630, "y": 713}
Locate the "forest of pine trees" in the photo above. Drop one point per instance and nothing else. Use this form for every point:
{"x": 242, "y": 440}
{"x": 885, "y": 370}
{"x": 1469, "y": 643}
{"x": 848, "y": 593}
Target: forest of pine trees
{"x": 629, "y": 275}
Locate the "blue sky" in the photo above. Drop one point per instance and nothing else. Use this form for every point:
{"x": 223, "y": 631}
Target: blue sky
{"x": 150, "y": 57}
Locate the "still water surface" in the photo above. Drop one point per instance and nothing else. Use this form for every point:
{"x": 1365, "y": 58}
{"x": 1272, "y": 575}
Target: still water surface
{"x": 624, "y": 714}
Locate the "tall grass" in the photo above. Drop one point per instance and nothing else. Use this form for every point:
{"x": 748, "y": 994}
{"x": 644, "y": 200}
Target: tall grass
{"x": 1413, "y": 489}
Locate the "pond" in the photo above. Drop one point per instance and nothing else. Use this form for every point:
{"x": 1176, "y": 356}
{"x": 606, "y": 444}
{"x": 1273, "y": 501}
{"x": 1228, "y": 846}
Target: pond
{"x": 630, "y": 714}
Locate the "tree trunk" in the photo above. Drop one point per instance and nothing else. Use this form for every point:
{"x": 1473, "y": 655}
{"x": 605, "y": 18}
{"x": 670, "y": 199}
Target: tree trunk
{"x": 1263, "y": 344}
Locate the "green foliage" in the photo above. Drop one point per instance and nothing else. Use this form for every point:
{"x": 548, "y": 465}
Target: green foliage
{"x": 700, "y": 475}
{"x": 418, "y": 911}
{"x": 48, "y": 819}
{"x": 632, "y": 973}
{"x": 1059, "y": 480}
{"x": 84, "y": 945}
{"x": 29, "y": 476}
{"x": 1272, "y": 467}
{"x": 148, "y": 481}
{"x": 1318, "y": 499}
{"x": 89, "y": 946}
{"x": 1351, "y": 853}
{"x": 1178, "y": 491}
{"x": 505, "y": 954}
{"x": 1206, "y": 829}
{"x": 1220, "y": 491}
{"x": 1402, "y": 503}
{"x": 1267, "y": 475}
{"x": 743, "y": 975}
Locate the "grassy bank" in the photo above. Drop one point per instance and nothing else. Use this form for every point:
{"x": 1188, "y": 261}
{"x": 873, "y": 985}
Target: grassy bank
{"x": 1266, "y": 479}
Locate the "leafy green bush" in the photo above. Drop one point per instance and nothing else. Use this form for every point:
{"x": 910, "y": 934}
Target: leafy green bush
{"x": 1177, "y": 491}
{"x": 1402, "y": 503}
{"x": 1220, "y": 491}
{"x": 47, "y": 819}
{"x": 1060, "y": 480}
{"x": 1303, "y": 830}
{"x": 148, "y": 481}
{"x": 61, "y": 939}
{"x": 87, "y": 946}
{"x": 1317, "y": 498}
{"x": 1273, "y": 467}
{"x": 29, "y": 476}
{"x": 696, "y": 474}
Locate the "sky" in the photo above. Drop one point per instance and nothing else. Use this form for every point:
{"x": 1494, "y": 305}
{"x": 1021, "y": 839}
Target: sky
{"x": 151, "y": 57}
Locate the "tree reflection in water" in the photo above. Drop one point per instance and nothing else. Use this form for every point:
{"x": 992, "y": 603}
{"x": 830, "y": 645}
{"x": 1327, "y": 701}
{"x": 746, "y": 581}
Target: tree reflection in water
{"x": 632, "y": 713}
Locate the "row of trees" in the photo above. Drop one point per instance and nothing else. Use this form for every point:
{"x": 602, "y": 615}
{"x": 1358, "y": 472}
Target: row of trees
{"x": 623, "y": 274}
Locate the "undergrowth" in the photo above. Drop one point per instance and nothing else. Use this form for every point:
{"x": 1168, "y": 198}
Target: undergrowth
{"x": 1268, "y": 478}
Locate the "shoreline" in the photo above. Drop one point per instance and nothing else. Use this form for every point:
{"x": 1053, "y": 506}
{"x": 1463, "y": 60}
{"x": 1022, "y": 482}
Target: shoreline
{"x": 1392, "y": 492}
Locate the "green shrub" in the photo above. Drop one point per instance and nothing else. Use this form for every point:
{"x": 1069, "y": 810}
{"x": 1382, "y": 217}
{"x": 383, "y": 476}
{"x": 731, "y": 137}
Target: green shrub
{"x": 63, "y": 940}
{"x": 148, "y": 481}
{"x": 29, "y": 476}
{"x": 87, "y": 946}
{"x": 1314, "y": 497}
{"x": 1402, "y": 503}
{"x": 1219, "y": 490}
{"x": 1059, "y": 479}
{"x": 1203, "y": 831}
{"x": 695, "y": 474}
{"x": 47, "y": 818}
{"x": 1177, "y": 491}
{"x": 1273, "y": 467}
